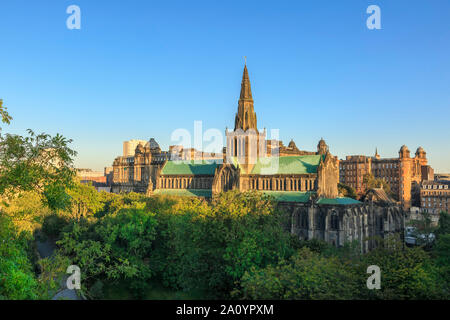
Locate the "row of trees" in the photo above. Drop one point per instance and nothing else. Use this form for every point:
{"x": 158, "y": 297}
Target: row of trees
{"x": 185, "y": 244}
{"x": 35, "y": 174}
{"x": 236, "y": 247}
{"x": 232, "y": 247}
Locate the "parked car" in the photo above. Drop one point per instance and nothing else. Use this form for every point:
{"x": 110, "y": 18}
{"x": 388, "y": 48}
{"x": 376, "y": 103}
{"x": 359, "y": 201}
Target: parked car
{"x": 413, "y": 237}
{"x": 410, "y": 240}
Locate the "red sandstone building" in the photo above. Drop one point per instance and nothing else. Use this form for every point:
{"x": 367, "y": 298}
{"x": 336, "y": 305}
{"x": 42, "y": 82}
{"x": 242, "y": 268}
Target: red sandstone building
{"x": 403, "y": 174}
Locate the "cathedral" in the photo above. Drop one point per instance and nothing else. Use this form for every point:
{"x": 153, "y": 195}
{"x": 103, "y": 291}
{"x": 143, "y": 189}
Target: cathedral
{"x": 249, "y": 162}
{"x": 305, "y": 183}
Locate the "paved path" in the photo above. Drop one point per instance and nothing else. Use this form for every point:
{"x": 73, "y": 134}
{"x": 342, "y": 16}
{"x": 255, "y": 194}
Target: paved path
{"x": 46, "y": 249}
{"x": 66, "y": 294}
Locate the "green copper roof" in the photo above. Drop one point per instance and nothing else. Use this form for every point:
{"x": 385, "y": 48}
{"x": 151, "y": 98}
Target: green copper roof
{"x": 189, "y": 168}
{"x": 206, "y": 193}
{"x": 287, "y": 165}
{"x": 338, "y": 201}
{"x": 289, "y": 196}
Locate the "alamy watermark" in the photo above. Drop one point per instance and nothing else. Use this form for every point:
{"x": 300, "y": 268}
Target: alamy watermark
{"x": 374, "y": 281}
{"x": 239, "y": 147}
{"x": 374, "y": 20}
{"x": 74, "y": 20}
{"x": 74, "y": 280}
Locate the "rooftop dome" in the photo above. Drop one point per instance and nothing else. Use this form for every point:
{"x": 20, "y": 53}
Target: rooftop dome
{"x": 421, "y": 153}
{"x": 404, "y": 152}
{"x": 152, "y": 144}
{"x": 322, "y": 147}
{"x": 139, "y": 148}
{"x": 322, "y": 142}
{"x": 292, "y": 144}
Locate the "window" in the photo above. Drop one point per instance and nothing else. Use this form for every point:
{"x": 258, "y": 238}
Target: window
{"x": 334, "y": 223}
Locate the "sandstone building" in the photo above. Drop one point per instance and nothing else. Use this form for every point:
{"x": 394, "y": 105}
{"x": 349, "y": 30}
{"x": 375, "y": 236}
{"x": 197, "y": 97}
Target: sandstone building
{"x": 403, "y": 174}
{"x": 249, "y": 162}
{"x": 435, "y": 196}
{"x": 305, "y": 183}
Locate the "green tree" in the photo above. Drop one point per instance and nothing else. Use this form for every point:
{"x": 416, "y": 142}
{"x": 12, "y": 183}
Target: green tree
{"x": 441, "y": 251}
{"x": 6, "y": 118}
{"x": 35, "y": 167}
{"x": 209, "y": 247}
{"x": 27, "y": 211}
{"x": 347, "y": 191}
{"x": 307, "y": 275}
{"x": 36, "y": 162}
{"x": 444, "y": 224}
{"x": 85, "y": 201}
{"x": 114, "y": 248}
{"x": 371, "y": 182}
{"x": 406, "y": 273}
{"x": 17, "y": 280}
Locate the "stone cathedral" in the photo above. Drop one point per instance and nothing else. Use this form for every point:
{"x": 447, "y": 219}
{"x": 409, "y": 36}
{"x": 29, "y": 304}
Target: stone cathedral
{"x": 305, "y": 183}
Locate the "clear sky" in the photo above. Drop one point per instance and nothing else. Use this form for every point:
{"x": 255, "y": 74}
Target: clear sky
{"x": 141, "y": 69}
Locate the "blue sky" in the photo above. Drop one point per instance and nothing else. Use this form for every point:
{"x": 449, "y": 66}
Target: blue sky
{"x": 141, "y": 69}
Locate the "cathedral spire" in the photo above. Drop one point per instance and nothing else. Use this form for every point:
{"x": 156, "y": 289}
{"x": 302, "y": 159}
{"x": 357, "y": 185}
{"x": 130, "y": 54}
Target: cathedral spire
{"x": 246, "y": 90}
{"x": 245, "y": 117}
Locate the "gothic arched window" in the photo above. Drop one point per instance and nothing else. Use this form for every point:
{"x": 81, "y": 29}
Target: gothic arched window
{"x": 334, "y": 221}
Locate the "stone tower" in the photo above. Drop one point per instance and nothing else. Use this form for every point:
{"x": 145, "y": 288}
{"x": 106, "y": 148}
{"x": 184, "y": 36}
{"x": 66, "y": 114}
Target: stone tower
{"x": 406, "y": 168}
{"x": 322, "y": 147}
{"x": 328, "y": 177}
{"x": 245, "y": 144}
{"x": 421, "y": 155}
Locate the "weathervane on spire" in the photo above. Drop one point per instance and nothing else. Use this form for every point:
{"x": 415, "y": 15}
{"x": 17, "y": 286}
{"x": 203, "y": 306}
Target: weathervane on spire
{"x": 245, "y": 60}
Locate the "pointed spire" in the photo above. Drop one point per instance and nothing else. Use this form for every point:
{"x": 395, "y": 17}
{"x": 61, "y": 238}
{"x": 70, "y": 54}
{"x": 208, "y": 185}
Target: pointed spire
{"x": 245, "y": 117}
{"x": 246, "y": 91}
{"x": 377, "y": 156}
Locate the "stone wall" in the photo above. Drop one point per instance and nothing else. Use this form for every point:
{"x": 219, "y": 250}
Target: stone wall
{"x": 337, "y": 224}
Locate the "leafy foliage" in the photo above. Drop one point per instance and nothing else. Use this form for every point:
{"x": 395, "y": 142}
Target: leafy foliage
{"x": 407, "y": 273}
{"x": 6, "y": 118}
{"x": 307, "y": 275}
{"x": 113, "y": 248}
{"x": 26, "y": 211}
{"x": 371, "y": 182}
{"x": 35, "y": 172}
{"x": 17, "y": 280}
{"x": 444, "y": 224}
{"x": 441, "y": 251}
{"x": 210, "y": 247}
{"x": 347, "y": 191}
{"x": 37, "y": 162}
{"x": 85, "y": 201}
